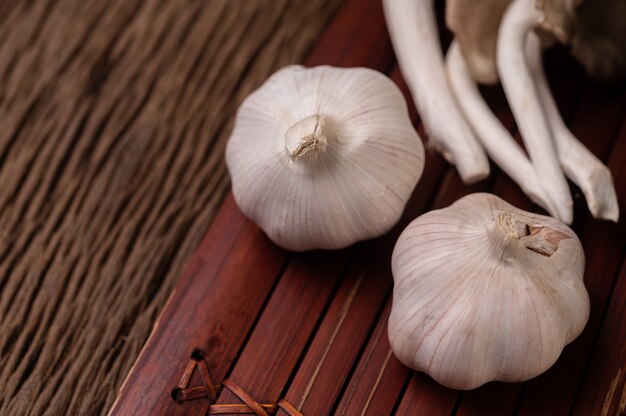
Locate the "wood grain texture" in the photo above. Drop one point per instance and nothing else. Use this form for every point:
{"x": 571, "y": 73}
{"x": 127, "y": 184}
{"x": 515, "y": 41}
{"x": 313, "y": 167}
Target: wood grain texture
{"x": 114, "y": 117}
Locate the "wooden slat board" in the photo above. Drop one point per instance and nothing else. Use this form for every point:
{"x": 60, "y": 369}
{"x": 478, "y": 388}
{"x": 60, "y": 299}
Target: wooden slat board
{"x": 311, "y": 328}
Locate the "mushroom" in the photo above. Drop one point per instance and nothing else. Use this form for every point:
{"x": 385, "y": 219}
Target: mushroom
{"x": 596, "y": 31}
{"x": 578, "y": 163}
{"x": 475, "y": 26}
{"x": 497, "y": 141}
{"x": 411, "y": 24}
{"x": 551, "y": 145}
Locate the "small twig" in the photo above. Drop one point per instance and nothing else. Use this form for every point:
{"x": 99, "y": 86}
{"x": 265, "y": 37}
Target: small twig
{"x": 245, "y": 397}
{"x": 239, "y": 409}
{"x": 210, "y": 391}
{"x": 206, "y": 380}
{"x": 191, "y": 393}
{"x": 288, "y": 408}
{"x": 184, "y": 379}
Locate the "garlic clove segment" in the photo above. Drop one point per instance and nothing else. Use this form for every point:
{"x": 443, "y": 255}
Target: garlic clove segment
{"x": 485, "y": 291}
{"x": 324, "y": 157}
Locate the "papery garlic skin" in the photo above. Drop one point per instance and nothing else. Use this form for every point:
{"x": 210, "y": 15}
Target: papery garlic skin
{"x": 324, "y": 157}
{"x": 485, "y": 291}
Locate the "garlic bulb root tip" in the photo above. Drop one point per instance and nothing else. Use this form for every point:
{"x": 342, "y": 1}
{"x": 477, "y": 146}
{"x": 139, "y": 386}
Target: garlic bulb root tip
{"x": 306, "y": 136}
{"x": 513, "y": 228}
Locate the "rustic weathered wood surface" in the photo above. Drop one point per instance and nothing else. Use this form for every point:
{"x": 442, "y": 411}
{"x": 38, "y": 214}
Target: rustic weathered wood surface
{"x": 113, "y": 118}
{"x": 311, "y": 328}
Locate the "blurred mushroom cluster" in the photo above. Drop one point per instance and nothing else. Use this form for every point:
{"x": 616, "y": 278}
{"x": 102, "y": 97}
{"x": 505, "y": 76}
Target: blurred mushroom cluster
{"x": 502, "y": 41}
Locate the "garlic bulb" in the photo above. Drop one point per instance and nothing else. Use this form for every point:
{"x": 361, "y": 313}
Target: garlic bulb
{"x": 324, "y": 157}
{"x": 485, "y": 291}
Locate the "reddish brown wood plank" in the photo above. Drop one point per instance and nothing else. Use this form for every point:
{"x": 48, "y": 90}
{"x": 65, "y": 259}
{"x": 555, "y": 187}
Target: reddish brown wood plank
{"x": 356, "y": 37}
{"x": 424, "y": 397}
{"x": 608, "y": 354}
{"x": 213, "y": 295}
{"x": 595, "y": 125}
{"x": 378, "y": 378}
{"x": 338, "y": 340}
{"x": 552, "y": 393}
{"x": 269, "y": 339}
{"x": 604, "y": 390}
{"x": 492, "y": 399}
{"x": 227, "y": 310}
{"x": 285, "y": 326}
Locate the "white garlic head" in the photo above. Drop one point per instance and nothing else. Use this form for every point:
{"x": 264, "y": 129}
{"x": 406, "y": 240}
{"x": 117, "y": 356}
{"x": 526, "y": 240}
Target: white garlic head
{"x": 485, "y": 291}
{"x": 324, "y": 157}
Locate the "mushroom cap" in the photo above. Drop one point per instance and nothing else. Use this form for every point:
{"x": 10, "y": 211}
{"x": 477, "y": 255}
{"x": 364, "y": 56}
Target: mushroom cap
{"x": 349, "y": 177}
{"x": 475, "y": 26}
{"x": 558, "y": 17}
{"x": 599, "y": 40}
{"x": 485, "y": 291}
{"x": 596, "y": 31}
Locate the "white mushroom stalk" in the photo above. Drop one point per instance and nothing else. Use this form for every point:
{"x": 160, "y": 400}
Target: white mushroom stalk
{"x": 414, "y": 35}
{"x": 519, "y": 20}
{"x": 497, "y": 141}
{"x": 578, "y": 163}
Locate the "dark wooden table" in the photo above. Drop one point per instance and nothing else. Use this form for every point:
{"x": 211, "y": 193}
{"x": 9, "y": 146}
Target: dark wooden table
{"x": 310, "y": 328}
